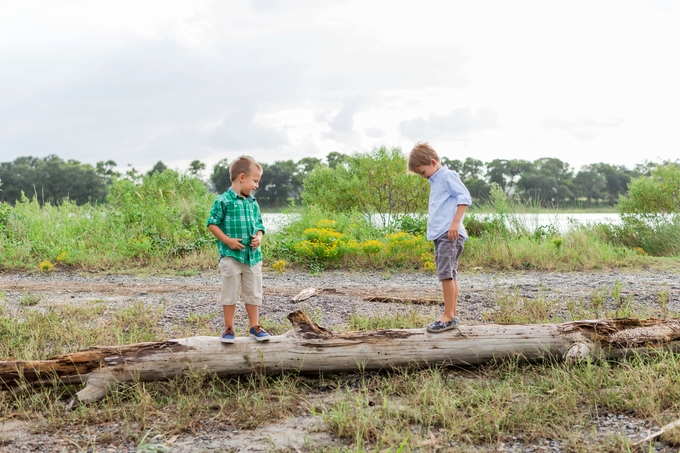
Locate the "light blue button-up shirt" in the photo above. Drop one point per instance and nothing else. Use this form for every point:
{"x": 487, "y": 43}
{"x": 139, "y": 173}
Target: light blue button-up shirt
{"x": 447, "y": 191}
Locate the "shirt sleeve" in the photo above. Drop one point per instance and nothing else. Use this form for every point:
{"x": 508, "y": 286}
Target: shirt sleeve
{"x": 458, "y": 189}
{"x": 216, "y": 214}
{"x": 259, "y": 225}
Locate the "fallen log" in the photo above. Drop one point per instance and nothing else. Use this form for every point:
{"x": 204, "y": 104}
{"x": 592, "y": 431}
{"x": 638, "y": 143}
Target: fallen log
{"x": 312, "y": 348}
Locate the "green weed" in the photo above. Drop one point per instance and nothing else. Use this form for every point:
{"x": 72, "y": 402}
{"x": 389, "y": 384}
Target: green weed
{"x": 514, "y": 309}
{"x": 30, "y": 299}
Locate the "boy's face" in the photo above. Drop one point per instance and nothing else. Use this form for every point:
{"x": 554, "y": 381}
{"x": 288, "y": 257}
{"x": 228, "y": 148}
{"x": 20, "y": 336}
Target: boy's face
{"x": 426, "y": 171}
{"x": 250, "y": 181}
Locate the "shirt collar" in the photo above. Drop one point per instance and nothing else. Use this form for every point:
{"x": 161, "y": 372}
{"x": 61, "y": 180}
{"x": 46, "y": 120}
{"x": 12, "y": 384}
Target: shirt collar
{"x": 233, "y": 195}
{"x": 434, "y": 177}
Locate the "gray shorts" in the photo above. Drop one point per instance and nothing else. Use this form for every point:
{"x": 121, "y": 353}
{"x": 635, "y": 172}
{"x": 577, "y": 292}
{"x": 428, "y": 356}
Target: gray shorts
{"x": 446, "y": 255}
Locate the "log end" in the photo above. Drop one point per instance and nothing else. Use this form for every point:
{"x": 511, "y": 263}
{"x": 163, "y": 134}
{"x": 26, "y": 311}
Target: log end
{"x": 579, "y": 352}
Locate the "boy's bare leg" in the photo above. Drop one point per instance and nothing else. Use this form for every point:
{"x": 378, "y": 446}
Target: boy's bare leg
{"x": 450, "y": 288}
{"x": 229, "y": 311}
{"x": 253, "y": 314}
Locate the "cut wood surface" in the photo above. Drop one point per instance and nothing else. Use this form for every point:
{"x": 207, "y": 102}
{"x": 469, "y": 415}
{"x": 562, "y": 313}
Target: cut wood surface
{"x": 312, "y": 348}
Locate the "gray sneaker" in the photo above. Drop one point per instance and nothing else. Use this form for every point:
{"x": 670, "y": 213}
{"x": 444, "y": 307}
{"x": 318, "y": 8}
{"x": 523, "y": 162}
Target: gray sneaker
{"x": 439, "y": 326}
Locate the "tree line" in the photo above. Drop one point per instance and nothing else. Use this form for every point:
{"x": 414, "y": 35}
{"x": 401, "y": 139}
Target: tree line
{"x": 546, "y": 181}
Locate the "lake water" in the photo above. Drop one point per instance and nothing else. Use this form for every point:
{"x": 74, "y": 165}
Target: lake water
{"x": 563, "y": 222}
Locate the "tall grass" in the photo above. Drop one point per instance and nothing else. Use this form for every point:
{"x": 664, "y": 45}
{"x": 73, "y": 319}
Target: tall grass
{"x": 158, "y": 222}
{"x": 500, "y": 238}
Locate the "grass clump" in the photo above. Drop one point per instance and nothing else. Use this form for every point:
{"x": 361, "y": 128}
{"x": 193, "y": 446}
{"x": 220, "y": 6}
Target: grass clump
{"x": 59, "y": 329}
{"x": 507, "y": 401}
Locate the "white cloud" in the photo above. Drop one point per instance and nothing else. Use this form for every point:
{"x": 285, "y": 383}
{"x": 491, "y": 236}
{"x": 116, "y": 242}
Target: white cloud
{"x": 375, "y": 132}
{"x": 343, "y": 121}
{"x": 581, "y": 128}
{"x": 239, "y": 131}
{"x": 457, "y": 124}
{"x": 138, "y": 81}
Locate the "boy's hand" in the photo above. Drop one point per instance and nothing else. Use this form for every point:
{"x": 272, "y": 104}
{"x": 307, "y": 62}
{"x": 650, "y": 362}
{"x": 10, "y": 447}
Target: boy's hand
{"x": 234, "y": 244}
{"x": 453, "y": 232}
{"x": 256, "y": 240}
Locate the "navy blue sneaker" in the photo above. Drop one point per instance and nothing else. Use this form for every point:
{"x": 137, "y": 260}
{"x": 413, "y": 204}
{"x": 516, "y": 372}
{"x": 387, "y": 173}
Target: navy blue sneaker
{"x": 228, "y": 335}
{"x": 259, "y": 333}
{"x": 439, "y": 326}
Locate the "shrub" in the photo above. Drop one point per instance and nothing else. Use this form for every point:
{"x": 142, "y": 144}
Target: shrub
{"x": 370, "y": 183}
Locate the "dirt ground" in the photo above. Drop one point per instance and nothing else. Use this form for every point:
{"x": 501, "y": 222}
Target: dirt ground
{"x": 346, "y": 295}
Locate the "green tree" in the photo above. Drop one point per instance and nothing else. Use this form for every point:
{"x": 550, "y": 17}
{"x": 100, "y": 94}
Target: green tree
{"x": 304, "y": 167}
{"x": 591, "y": 184}
{"x": 196, "y": 167}
{"x": 371, "y": 183}
{"x": 276, "y": 185}
{"x": 658, "y": 193}
{"x": 548, "y": 180}
{"x": 160, "y": 167}
{"x": 220, "y": 176}
{"x": 106, "y": 169}
{"x": 335, "y": 158}
{"x": 51, "y": 180}
{"x": 617, "y": 178}
{"x": 506, "y": 173}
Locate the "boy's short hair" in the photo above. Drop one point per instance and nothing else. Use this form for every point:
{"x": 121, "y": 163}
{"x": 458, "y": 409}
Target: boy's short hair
{"x": 243, "y": 164}
{"x": 421, "y": 154}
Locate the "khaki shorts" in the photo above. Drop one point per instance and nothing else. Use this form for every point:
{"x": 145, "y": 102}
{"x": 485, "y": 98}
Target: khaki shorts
{"x": 240, "y": 282}
{"x": 446, "y": 254}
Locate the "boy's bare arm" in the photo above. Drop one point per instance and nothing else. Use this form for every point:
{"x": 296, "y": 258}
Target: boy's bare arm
{"x": 455, "y": 224}
{"x": 232, "y": 243}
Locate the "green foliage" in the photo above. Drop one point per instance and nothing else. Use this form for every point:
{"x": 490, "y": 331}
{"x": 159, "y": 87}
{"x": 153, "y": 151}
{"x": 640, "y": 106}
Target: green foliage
{"x": 370, "y": 183}
{"x": 327, "y": 239}
{"x": 278, "y": 183}
{"x": 161, "y": 216}
{"x": 166, "y": 212}
{"x": 548, "y": 180}
{"x": 650, "y": 213}
{"x": 220, "y": 176}
{"x": 196, "y": 167}
{"x": 335, "y": 158}
{"x": 160, "y": 167}
{"x": 656, "y": 194}
{"x": 51, "y": 180}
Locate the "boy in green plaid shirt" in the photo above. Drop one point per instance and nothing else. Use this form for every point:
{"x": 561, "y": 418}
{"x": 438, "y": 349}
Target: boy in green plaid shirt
{"x": 236, "y": 222}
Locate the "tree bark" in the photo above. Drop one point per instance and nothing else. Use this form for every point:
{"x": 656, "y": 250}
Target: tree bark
{"x": 309, "y": 348}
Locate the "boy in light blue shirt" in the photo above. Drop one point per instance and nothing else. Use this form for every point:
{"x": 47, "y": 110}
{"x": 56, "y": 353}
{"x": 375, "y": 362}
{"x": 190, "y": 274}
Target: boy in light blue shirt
{"x": 449, "y": 198}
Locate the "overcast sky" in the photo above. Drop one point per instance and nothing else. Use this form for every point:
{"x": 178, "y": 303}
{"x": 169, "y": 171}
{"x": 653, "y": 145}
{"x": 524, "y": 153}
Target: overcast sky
{"x": 141, "y": 81}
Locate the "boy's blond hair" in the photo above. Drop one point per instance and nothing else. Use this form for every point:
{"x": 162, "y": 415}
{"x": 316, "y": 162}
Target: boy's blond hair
{"x": 421, "y": 154}
{"x": 243, "y": 164}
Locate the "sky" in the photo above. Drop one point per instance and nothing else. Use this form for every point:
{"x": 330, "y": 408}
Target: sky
{"x": 141, "y": 81}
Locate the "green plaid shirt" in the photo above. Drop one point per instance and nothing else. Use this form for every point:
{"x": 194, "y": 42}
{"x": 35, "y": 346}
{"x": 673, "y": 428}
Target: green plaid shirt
{"x": 237, "y": 217}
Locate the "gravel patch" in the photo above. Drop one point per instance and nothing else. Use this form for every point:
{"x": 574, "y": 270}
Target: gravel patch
{"x": 179, "y": 297}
